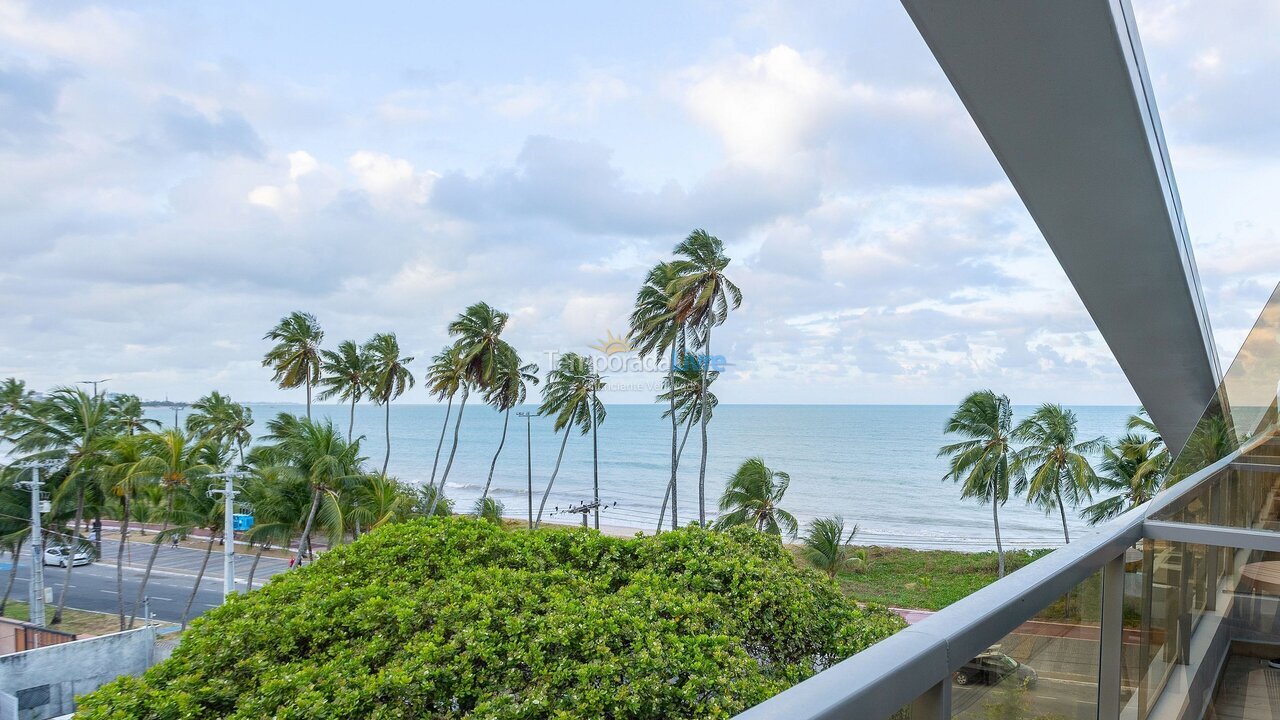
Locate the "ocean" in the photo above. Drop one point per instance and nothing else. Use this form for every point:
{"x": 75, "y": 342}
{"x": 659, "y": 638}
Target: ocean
{"x": 874, "y": 464}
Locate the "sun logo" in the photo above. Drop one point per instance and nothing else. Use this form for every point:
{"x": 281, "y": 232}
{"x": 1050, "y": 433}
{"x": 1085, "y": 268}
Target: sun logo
{"x": 612, "y": 345}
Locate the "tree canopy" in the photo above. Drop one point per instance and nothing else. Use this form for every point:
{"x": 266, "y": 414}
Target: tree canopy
{"x": 454, "y": 618}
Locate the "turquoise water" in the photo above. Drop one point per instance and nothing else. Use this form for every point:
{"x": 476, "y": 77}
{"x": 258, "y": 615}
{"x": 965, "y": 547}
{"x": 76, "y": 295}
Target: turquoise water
{"x": 874, "y": 464}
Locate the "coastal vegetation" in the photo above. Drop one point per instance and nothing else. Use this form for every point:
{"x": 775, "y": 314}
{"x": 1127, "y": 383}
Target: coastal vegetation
{"x": 461, "y": 618}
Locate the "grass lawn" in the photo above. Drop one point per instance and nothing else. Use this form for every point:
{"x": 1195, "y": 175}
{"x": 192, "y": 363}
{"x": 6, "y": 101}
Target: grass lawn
{"x": 927, "y": 579}
{"x": 79, "y": 622}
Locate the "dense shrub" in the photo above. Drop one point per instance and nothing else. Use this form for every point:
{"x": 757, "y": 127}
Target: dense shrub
{"x": 458, "y": 618}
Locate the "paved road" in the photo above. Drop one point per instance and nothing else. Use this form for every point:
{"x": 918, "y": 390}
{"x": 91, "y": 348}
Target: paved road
{"x": 93, "y": 587}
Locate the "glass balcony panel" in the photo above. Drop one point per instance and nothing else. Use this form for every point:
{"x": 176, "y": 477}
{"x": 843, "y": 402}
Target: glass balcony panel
{"x": 1152, "y": 607}
{"x": 1047, "y": 667}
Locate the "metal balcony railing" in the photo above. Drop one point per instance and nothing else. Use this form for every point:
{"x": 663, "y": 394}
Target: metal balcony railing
{"x": 1132, "y": 625}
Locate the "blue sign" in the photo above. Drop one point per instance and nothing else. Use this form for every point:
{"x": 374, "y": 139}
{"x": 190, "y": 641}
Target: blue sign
{"x": 241, "y": 522}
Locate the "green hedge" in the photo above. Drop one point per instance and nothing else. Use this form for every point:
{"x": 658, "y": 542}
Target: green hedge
{"x": 457, "y": 618}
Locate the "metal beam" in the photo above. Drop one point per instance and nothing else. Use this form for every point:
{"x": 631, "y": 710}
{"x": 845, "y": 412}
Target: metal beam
{"x": 1213, "y": 535}
{"x": 1061, "y": 94}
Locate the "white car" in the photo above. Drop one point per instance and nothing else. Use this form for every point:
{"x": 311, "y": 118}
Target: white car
{"x": 59, "y": 555}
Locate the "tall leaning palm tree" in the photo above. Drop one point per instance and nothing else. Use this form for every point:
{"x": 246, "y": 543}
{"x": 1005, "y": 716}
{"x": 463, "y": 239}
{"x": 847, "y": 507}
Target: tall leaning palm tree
{"x": 751, "y": 497}
{"x": 689, "y": 400}
{"x": 983, "y": 461}
{"x": 295, "y": 357}
{"x": 174, "y": 459}
{"x": 1054, "y": 463}
{"x": 509, "y": 389}
{"x": 570, "y": 395}
{"x": 317, "y": 452}
{"x": 446, "y": 376}
{"x": 701, "y": 297}
{"x": 655, "y": 331}
{"x": 389, "y": 378}
{"x": 477, "y": 334}
{"x": 345, "y": 374}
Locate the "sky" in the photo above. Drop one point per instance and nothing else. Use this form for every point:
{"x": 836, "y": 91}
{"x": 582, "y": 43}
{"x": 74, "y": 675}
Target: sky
{"x": 175, "y": 177}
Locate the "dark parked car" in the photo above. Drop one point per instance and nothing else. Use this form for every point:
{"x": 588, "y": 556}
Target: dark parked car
{"x": 993, "y": 666}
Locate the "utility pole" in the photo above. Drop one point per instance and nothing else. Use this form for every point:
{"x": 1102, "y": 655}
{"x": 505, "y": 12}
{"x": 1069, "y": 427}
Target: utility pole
{"x": 528, "y": 435}
{"x": 595, "y": 456}
{"x": 586, "y": 508}
{"x": 176, "y": 408}
{"x": 94, "y": 383}
{"x": 228, "y": 493}
{"x": 36, "y": 591}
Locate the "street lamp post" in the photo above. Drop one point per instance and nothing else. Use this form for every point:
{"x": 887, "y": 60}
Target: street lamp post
{"x": 176, "y": 408}
{"x": 528, "y": 433}
{"x": 94, "y": 383}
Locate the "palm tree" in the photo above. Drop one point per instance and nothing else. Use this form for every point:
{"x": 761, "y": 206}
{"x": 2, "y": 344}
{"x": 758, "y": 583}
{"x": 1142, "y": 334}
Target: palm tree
{"x": 654, "y": 331}
{"x": 481, "y": 352}
{"x": 345, "y": 374}
{"x": 295, "y": 357}
{"x": 445, "y": 377}
{"x": 123, "y": 470}
{"x": 200, "y": 510}
{"x": 508, "y": 389}
{"x": 490, "y": 509}
{"x": 570, "y": 395}
{"x": 280, "y": 497}
{"x": 826, "y": 545}
{"x": 174, "y": 459}
{"x": 751, "y": 497}
{"x": 74, "y": 428}
{"x": 1134, "y": 469}
{"x": 14, "y": 395}
{"x": 1059, "y": 471}
{"x": 128, "y": 408}
{"x": 319, "y": 453}
{"x": 369, "y": 501}
{"x": 14, "y": 529}
{"x": 982, "y": 462}
{"x": 700, "y": 298}
{"x": 389, "y": 378}
{"x": 685, "y": 393}
{"x": 224, "y": 422}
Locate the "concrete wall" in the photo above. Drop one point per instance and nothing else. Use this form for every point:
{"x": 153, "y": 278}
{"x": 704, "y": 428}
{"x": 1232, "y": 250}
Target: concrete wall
{"x": 46, "y": 681}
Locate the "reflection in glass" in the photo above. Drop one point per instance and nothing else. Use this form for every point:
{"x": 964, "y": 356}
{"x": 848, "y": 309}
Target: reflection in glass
{"x": 1046, "y": 668}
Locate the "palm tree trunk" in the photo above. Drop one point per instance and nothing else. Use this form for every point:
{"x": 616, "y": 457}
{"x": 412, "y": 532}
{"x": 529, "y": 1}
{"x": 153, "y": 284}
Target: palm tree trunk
{"x": 351, "y": 424}
{"x": 675, "y": 455}
{"x": 506, "y": 416}
{"x": 304, "y": 543}
{"x": 71, "y": 562}
{"x": 254, "y": 567}
{"x": 595, "y": 462}
{"x": 308, "y": 396}
{"x": 1062, "y": 509}
{"x": 447, "y": 410}
{"x": 538, "y": 523}
{"x": 457, "y": 425}
{"x": 995, "y": 516}
{"x": 671, "y": 488}
{"x": 702, "y": 471}
{"x": 387, "y": 429}
{"x": 124, "y": 540}
{"x": 13, "y": 574}
{"x": 208, "y": 550}
{"x": 155, "y": 550}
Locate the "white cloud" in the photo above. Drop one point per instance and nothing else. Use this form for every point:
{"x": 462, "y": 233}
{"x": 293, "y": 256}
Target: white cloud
{"x": 390, "y": 181}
